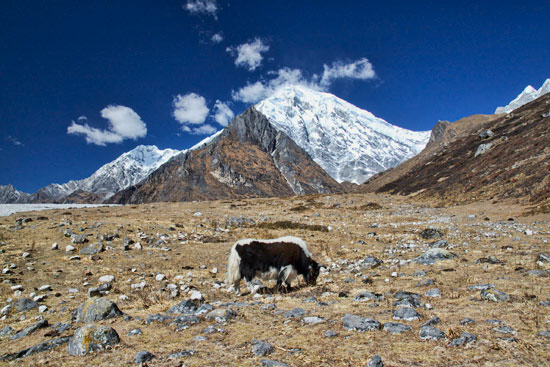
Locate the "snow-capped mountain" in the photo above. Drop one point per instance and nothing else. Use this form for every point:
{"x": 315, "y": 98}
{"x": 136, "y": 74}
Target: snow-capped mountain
{"x": 529, "y": 94}
{"x": 128, "y": 169}
{"x": 349, "y": 143}
{"x": 9, "y": 194}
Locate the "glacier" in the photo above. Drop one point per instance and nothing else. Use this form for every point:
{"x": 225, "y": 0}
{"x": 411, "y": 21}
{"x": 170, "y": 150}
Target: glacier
{"x": 349, "y": 143}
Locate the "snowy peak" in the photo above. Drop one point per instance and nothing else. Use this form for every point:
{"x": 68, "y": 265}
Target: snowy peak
{"x": 349, "y": 143}
{"x": 529, "y": 94}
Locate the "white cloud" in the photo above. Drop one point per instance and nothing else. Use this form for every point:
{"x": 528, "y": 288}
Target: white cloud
{"x": 14, "y": 140}
{"x": 208, "y": 7}
{"x": 360, "y": 69}
{"x": 223, "y": 113}
{"x": 249, "y": 55}
{"x": 205, "y": 129}
{"x": 259, "y": 90}
{"x": 190, "y": 109}
{"x": 254, "y": 92}
{"x": 124, "y": 123}
{"x": 217, "y": 37}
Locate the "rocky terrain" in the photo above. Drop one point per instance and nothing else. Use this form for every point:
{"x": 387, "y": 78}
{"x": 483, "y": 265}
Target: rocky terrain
{"x": 405, "y": 283}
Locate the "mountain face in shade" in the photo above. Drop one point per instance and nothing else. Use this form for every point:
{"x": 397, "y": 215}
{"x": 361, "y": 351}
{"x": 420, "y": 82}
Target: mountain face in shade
{"x": 349, "y": 143}
{"x": 529, "y": 94}
{"x": 249, "y": 158}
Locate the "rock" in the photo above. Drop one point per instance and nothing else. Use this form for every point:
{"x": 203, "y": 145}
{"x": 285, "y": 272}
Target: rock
{"x": 42, "y": 347}
{"x": 42, "y": 308}
{"x": 368, "y": 296}
{"x": 92, "y": 249}
{"x": 24, "y": 304}
{"x": 433, "y": 255}
{"x": 135, "y": 332}
{"x": 406, "y": 313}
{"x": 482, "y": 149}
{"x": 184, "y": 307}
{"x": 313, "y": 320}
{"x": 69, "y": 248}
{"x": 486, "y": 134}
{"x": 429, "y": 332}
{"x": 261, "y": 348}
{"x": 504, "y": 330}
{"x": 144, "y": 356}
{"x": 204, "y": 308}
{"x": 545, "y": 334}
{"x": 221, "y": 315}
{"x": 466, "y": 321}
{"x": 490, "y": 260}
{"x": 90, "y": 338}
{"x": 435, "y": 292}
{"x": 55, "y": 246}
{"x": 160, "y": 277}
{"x": 371, "y": 262}
{"x": 158, "y": 318}
{"x": 359, "y": 323}
{"x": 295, "y": 313}
{"x": 181, "y": 354}
{"x": 7, "y": 330}
{"x": 78, "y": 239}
{"x": 331, "y": 333}
{"x": 271, "y": 363}
{"x": 396, "y": 328}
{"x": 543, "y": 259}
{"x": 440, "y": 244}
{"x": 96, "y": 309}
{"x": 375, "y": 361}
{"x": 480, "y": 287}
{"x": 45, "y": 288}
{"x": 433, "y": 321}
{"x": 494, "y": 295}
{"x": 106, "y": 279}
{"x": 184, "y": 321}
{"x": 464, "y": 338}
{"x": 196, "y": 296}
{"x": 5, "y": 310}
{"x": 425, "y": 282}
{"x": 29, "y": 329}
{"x": 430, "y": 234}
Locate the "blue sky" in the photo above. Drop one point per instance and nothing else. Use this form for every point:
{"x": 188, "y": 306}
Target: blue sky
{"x": 83, "y": 82}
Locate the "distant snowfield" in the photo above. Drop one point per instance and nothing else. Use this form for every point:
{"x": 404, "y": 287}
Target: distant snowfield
{"x": 9, "y": 209}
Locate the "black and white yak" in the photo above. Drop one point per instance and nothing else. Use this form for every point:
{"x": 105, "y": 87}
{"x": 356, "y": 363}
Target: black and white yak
{"x": 281, "y": 259}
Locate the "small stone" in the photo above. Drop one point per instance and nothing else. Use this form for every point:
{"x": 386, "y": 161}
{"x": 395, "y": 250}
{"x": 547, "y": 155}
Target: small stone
{"x": 313, "y": 320}
{"x": 480, "y": 287}
{"x": 433, "y": 321}
{"x": 494, "y": 295}
{"x": 505, "y": 330}
{"x": 55, "y": 246}
{"x": 92, "y": 338}
{"x": 92, "y": 249}
{"x": 359, "y": 323}
{"x": 368, "y": 296}
{"x": 396, "y": 328}
{"x": 433, "y": 255}
{"x": 406, "y": 313}
{"x": 464, "y": 338}
{"x": 143, "y": 356}
{"x": 376, "y": 361}
{"x": 76, "y": 257}
{"x": 7, "y": 330}
{"x": 295, "y": 313}
{"x": 160, "y": 277}
{"x": 466, "y": 321}
{"x": 429, "y": 332}
{"x": 25, "y": 254}
{"x": 78, "y": 239}
{"x": 221, "y": 315}
{"x": 43, "y": 308}
{"x": 435, "y": 292}
{"x": 69, "y": 248}
{"x": 431, "y": 233}
{"x": 30, "y": 329}
{"x": 331, "y": 333}
{"x": 261, "y": 348}
{"x": 196, "y": 296}
{"x": 45, "y": 288}
{"x": 184, "y": 353}
{"x": 271, "y": 363}
{"x": 24, "y": 304}
{"x": 106, "y": 279}
{"x": 135, "y": 332}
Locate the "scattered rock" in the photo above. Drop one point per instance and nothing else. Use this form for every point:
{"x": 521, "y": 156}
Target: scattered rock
{"x": 368, "y": 296}
{"x": 42, "y": 347}
{"x": 221, "y": 315}
{"x": 504, "y": 330}
{"x": 464, "y": 338}
{"x": 96, "y": 309}
{"x": 24, "y": 304}
{"x": 429, "y": 332}
{"x": 144, "y": 356}
{"x": 486, "y": 134}
{"x": 295, "y": 313}
{"x": 396, "y": 328}
{"x": 494, "y": 295}
{"x": 359, "y": 323}
{"x": 331, "y": 333}
{"x": 371, "y": 262}
{"x": 406, "y": 313}
{"x": 181, "y": 354}
{"x": 7, "y": 330}
{"x": 184, "y": 307}
{"x": 375, "y": 361}
{"x": 433, "y": 321}
{"x": 196, "y": 296}
{"x": 92, "y": 249}
{"x": 135, "y": 332}
{"x": 481, "y": 287}
{"x": 90, "y": 338}
{"x": 106, "y": 279}
{"x": 466, "y": 321}
{"x": 490, "y": 260}
{"x": 435, "y": 292}
{"x": 545, "y": 334}
{"x": 270, "y": 363}
{"x": 29, "y": 329}
{"x": 78, "y": 239}
{"x": 543, "y": 259}
{"x": 313, "y": 320}
{"x": 431, "y": 233}
{"x": 433, "y": 255}
{"x": 483, "y": 148}
{"x": 261, "y": 348}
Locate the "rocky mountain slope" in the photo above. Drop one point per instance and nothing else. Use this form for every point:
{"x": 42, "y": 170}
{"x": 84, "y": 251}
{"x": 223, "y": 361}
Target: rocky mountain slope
{"x": 9, "y": 195}
{"x": 506, "y": 157}
{"x": 128, "y": 169}
{"x": 529, "y": 94}
{"x": 250, "y": 158}
{"x": 349, "y": 143}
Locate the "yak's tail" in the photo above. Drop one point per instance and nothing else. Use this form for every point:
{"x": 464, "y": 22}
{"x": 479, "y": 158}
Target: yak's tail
{"x": 233, "y": 267}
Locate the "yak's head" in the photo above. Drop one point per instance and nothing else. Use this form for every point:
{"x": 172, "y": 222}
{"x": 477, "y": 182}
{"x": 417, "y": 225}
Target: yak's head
{"x": 312, "y": 273}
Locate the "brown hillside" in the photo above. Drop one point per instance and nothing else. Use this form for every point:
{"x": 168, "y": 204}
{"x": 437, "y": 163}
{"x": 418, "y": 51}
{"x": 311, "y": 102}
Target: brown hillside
{"x": 516, "y": 166}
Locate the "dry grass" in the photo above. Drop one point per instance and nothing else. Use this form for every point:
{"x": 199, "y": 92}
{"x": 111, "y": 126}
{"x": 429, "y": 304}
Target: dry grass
{"x": 360, "y": 226}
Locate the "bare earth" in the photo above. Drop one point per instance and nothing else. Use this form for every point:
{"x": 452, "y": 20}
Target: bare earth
{"x": 198, "y": 237}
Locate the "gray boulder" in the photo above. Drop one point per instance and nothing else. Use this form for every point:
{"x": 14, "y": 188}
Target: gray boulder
{"x": 29, "y": 329}
{"x": 396, "y": 328}
{"x": 42, "y": 347}
{"x": 464, "y": 338}
{"x": 359, "y": 323}
{"x": 96, "y": 309}
{"x": 494, "y": 295}
{"x": 406, "y": 313}
{"x": 368, "y": 296}
{"x": 25, "y": 304}
{"x": 184, "y": 307}
{"x": 221, "y": 315}
{"x": 376, "y": 361}
{"x": 261, "y": 348}
{"x": 429, "y": 332}
{"x": 92, "y": 249}
{"x": 433, "y": 255}
{"x": 144, "y": 356}
{"x": 295, "y": 313}
{"x": 91, "y": 338}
